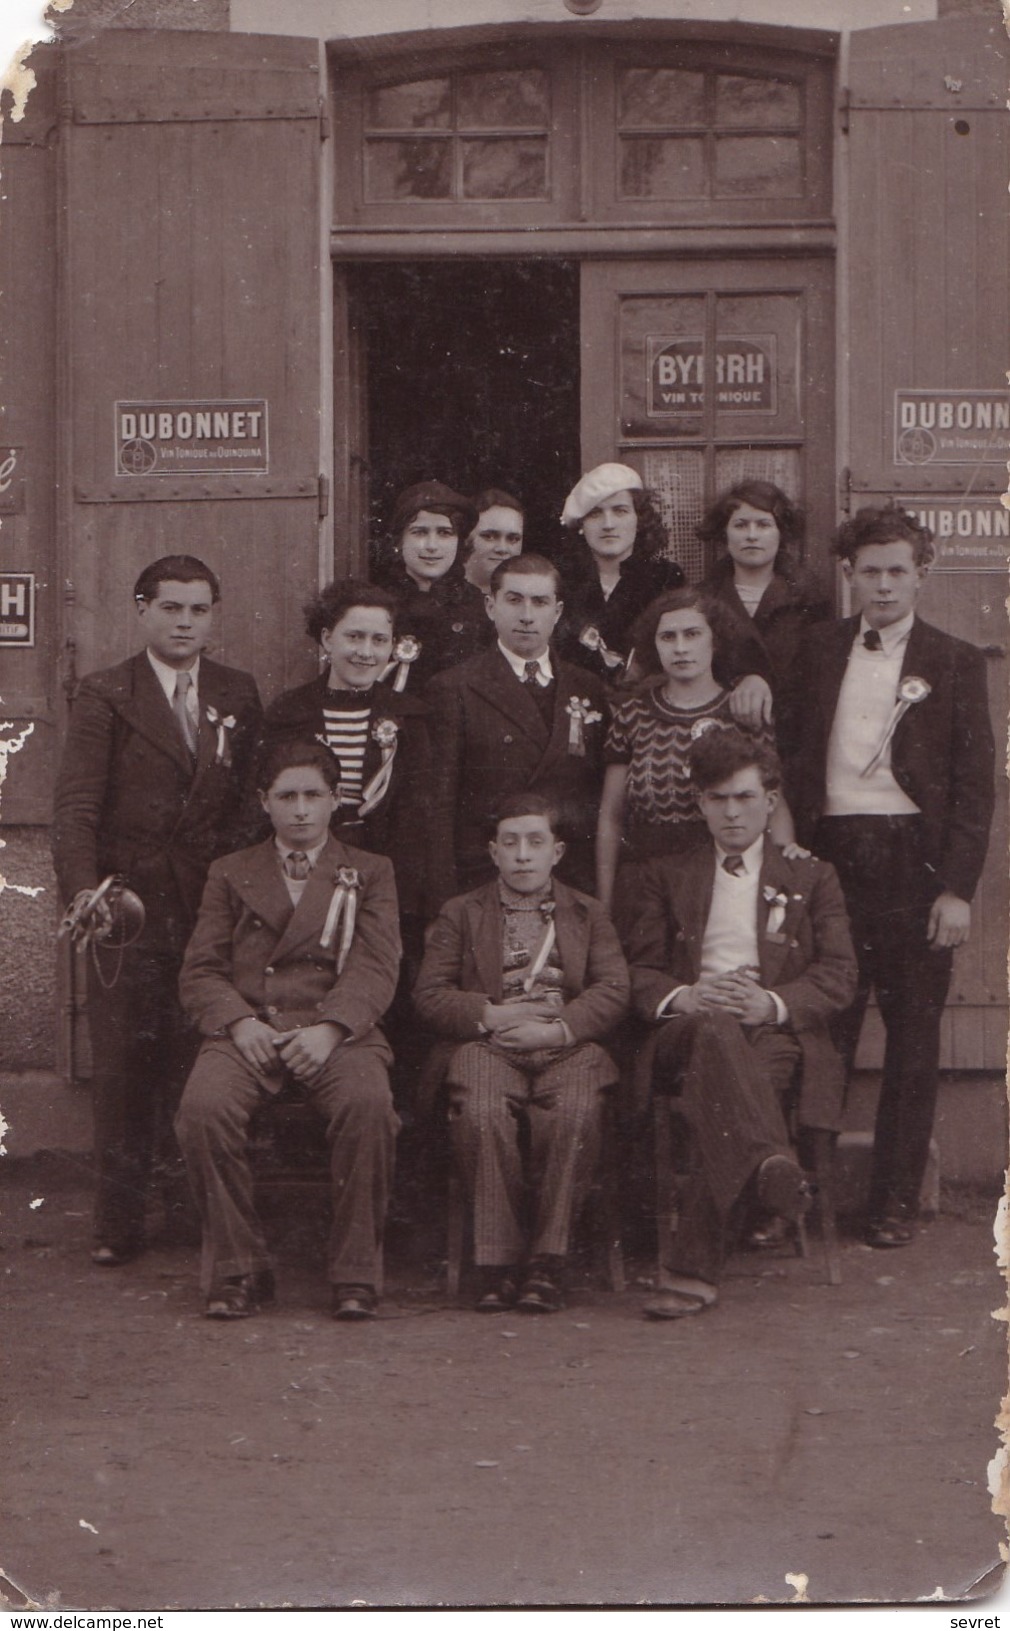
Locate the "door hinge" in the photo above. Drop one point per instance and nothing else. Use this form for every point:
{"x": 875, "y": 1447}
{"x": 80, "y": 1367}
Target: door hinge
{"x": 324, "y": 119}
{"x": 845, "y": 490}
{"x": 324, "y": 497}
{"x": 844, "y": 108}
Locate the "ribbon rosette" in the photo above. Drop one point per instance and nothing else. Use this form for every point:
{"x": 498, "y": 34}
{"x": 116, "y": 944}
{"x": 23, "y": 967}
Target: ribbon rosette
{"x": 777, "y": 902}
{"x": 222, "y": 755}
{"x": 544, "y": 946}
{"x": 384, "y": 732}
{"x": 406, "y": 651}
{"x": 342, "y": 913}
{"x": 700, "y": 726}
{"x": 581, "y": 713}
{"x": 912, "y": 689}
{"x": 593, "y": 640}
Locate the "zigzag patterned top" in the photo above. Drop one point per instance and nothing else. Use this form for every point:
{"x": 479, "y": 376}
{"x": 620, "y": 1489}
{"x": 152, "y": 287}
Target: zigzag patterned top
{"x": 652, "y": 737}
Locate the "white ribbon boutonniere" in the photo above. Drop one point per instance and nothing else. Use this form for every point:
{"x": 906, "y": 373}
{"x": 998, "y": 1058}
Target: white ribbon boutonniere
{"x": 544, "y": 946}
{"x": 222, "y": 754}
{"x": 700, "y": 726}
{"x": 406, "y": 651}
{"x": 385, "y": 732}
{"x": 581, "y": 713}
{"x": 343, "y": 911}
{"x": 777, "y": 903}
{"x": 911, "y": 690}
{"x": 593, "y": 640}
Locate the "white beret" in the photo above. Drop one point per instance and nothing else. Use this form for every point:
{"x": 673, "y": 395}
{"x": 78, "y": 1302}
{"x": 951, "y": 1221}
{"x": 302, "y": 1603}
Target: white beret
{"x": 596, "y": 485}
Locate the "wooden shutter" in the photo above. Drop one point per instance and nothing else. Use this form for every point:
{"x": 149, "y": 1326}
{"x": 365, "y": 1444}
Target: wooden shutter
{"x": 191, "y": 273}
{"x": 929, "y": 319}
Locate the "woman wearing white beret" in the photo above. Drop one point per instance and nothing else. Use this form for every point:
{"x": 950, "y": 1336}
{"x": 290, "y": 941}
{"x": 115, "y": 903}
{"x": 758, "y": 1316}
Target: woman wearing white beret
{"x": 615, "y": 566}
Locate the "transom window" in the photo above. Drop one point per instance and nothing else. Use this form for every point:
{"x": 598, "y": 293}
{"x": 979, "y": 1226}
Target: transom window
{"x": 459, "y": 136}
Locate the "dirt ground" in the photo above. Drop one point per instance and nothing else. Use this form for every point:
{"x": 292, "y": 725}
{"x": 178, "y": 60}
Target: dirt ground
{"x": 154, "y": 1459}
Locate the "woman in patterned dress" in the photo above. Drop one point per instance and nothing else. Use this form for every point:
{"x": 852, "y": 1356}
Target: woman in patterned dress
{"x": 648, "y": 807}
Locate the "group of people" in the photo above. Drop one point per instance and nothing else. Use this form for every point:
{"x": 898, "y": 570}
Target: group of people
{"x": 528, "y": 795}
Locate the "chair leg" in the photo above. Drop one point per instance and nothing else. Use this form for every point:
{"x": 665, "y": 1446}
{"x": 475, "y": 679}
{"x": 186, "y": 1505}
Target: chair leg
{"x": 663, "y": 1154}
{"x": 456, "y": 1206}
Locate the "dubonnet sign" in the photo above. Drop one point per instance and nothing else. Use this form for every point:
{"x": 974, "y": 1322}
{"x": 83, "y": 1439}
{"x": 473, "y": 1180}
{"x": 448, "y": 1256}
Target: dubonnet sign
{"x": 951, "y": 427}
{"x": 191, "y": 438}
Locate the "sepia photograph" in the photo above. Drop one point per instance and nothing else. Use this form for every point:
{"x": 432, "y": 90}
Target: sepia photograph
{"x": 503, "y": 806}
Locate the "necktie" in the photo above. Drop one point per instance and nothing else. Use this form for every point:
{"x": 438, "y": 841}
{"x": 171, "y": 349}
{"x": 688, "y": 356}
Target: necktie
{"x": 871, "y": 640}
{"x": 733, "y": 864}
{"x": 183, "y": 681}
{"x": 531, "y": 673}
{"x": 296, "y": 865}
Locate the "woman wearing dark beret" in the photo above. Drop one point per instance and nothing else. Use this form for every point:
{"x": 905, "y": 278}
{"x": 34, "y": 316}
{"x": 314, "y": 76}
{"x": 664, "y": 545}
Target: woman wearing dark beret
{"x": 440, "y": 621}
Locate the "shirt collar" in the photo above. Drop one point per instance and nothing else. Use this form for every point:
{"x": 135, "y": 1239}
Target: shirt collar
{"x": 751, "y": 857}
{"x": 518, "y": 664}
{"x": 167, "y": 676}
{"x": 895, "y": 635}
{"x": 284, "y": 850}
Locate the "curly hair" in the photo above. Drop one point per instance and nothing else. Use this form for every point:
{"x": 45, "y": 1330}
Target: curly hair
{"x": 718, "y": 754}
{"x": 326, "y": 609}
{"x": 287, "y": 754}
{"x": 716, "y": 614}
{"x": 760, "y": 495}
{"x": 889, "y": 523}
{"x": 175, "y": 569}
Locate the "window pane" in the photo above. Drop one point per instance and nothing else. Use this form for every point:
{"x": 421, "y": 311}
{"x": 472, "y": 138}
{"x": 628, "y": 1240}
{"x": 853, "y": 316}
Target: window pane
{"x": 660, "y": 98}
{"x": 662, "y": 167}
{"x": 423, "y": 103}
{"x": 515, "y": 168}
{"x": 757, "y": 167}
{"x": 408, "y": 169}
{"x": 752, "y": 101}
{"x": 677, "y": 477}
{"x": 496, "y": 101}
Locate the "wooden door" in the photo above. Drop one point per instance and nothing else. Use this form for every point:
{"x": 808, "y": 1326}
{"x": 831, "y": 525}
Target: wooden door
{"x": 701, "y": 372}
{"x": 191, "y": 299}
{"x": 928, "y": 418}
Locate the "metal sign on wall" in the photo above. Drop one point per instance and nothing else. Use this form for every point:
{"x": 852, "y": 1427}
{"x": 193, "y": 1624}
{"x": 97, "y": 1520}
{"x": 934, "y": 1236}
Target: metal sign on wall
{"x": 951, "y": 427}
{"x": 17, "y": 609}
{"x": 191, "y": 438}
{"x": 968, "y": 536}
{"x": 745, "y": 374}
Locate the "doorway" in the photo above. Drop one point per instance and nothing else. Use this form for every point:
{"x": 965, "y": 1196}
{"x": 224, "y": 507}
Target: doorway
{"x": 471, "y": 371}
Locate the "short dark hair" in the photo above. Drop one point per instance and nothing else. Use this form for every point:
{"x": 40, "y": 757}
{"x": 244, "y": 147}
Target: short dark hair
{"x": 526, "y": 566}
{"x": 175, "y": 569}
{"x": 333, "y": 603}
{"x": 719, "y": 752}
{"x": 292, "y": 754}
{"x": 883, "y": 524}
{"x": 715, "y": 612}
{"x": 760, "y": 495}
{"x": 526, "y": 804}
{"x": 490, "y": 497}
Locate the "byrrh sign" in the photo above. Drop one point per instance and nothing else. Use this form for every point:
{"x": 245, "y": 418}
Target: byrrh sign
{"x": 745, "y": 378}
{"x": 191, "y": 438}
{"x": 951, "y": 427}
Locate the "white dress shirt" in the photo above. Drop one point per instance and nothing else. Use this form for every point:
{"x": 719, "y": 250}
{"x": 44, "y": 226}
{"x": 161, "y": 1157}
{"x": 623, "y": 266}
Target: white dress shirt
{"x": 545, "y": 672}
{"x": 167, "y": 677}
{"x": 730, "y": 940}
{"x": 296, "y": 886}
{"x": 866, "y": 703}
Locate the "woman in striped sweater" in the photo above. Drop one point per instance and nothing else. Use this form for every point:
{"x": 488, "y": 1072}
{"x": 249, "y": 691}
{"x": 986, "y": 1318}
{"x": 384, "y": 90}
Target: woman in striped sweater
{"x": 379, "y": 735}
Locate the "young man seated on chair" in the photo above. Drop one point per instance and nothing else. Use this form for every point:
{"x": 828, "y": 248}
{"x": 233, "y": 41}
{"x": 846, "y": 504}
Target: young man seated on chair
{"x": 291, "y": 966}
{"x": 741, "y": 956}
{"x": 528, "y": 974}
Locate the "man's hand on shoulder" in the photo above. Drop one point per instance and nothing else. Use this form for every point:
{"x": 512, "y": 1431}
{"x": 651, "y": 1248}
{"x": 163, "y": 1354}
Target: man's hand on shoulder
{"x": 949, "y": 922}
{"x": 751, "y": 702}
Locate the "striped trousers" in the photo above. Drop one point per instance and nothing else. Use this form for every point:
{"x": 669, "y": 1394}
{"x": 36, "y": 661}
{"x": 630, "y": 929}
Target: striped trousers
{"x": 558, "y": 1094}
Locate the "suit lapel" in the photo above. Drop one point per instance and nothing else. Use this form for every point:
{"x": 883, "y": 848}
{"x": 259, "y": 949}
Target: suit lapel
{"x": 148, "y": 711}
{"x": 261, "y": 886}
{"x": 692, "y": 901}
{"x": 837, "y": 646}
{"x": 775, "y": 875}
{"x": 495, "y": 680}
{"x": 572, "y": 929}
{"x": 309, "y": 916}
{"x": 486, "y": 938}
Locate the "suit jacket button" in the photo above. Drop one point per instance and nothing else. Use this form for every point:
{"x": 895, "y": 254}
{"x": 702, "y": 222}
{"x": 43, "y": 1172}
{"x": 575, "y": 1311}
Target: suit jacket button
{"x": 269, "y": 969}
{"x": 508, "y": 739}
{"x": 457, "y": 628}
{"x": 256, "y": 923}
{"x": 271, "y": 1009}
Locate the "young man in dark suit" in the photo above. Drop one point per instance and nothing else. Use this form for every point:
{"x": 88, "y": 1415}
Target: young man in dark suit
{"x": 515, "y": 719}
{"x": 885, "y": 724}
{"x": 292, "y": 964}
{"x": 150, "y": 787}
{"x": 528, "y": 975}
{"x": 742, "y": 956}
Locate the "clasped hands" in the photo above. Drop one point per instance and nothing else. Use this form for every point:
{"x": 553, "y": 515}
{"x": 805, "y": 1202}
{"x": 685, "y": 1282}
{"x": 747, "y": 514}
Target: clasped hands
{"x": 736, "y": 993}
{"x": 529, "y": 1023}
{"x": 303, "y": 1051}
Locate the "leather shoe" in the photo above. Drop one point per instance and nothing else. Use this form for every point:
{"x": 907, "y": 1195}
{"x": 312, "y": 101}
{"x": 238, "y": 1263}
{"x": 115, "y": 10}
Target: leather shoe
{"x": 543, "y": 1287}
{"x": 675, "y": 1305}
{"x": 782, "y": 1188}
{"x": 233, "y": 1298}
{"x": 105, "y": 1256}
{"x": 889, "y": 1232}
{"x": 498, "y": 1292}
{"x": 354, "y": 1302}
